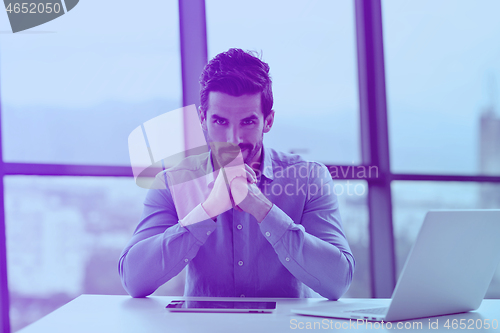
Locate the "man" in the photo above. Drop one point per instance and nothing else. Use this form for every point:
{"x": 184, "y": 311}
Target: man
{"x": 245, "y": 219}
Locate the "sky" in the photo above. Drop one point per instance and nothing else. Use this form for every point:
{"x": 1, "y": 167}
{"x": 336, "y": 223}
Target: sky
{"x": 440, "y": 59}
{"x": 77, "y": 72}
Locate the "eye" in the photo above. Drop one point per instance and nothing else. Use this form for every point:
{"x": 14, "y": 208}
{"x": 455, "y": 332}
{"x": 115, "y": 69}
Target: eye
{"x": 249, "y": 122}
{"x": 219, "y": 122}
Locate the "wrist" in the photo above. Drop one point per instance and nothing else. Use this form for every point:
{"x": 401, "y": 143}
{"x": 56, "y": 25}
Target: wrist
{"x": 208, "y": 208}
{"x": 262, "y": 212}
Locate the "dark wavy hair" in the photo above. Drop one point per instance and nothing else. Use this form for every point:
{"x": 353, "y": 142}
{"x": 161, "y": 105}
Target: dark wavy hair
{"x": 237, "y": 72}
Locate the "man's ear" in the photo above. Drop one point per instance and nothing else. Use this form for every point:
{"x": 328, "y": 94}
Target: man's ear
{"x": 203, "y": 118}
{"x": 269, "y": 121}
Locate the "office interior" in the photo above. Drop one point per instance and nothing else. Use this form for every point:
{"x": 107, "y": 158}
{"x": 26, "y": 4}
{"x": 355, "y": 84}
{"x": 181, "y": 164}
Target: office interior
{"x": 398, "y": 99}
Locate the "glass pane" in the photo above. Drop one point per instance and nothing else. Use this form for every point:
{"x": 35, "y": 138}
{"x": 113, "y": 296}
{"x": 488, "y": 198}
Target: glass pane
{"x": 74, "y": 88}
{"x": 64, "y": 239}
{"x": 412, "y": 200}
{"x": 310, "y": 47}
{"x": 442, "y": 96}
{"x": 352, "y": 196}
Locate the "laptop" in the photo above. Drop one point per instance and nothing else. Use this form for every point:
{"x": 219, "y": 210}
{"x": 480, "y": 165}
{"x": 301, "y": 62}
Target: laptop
{"x": 448, "y": 270}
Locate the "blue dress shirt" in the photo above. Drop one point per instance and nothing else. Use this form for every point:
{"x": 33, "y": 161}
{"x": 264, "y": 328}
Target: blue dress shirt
{"x": 299, "y": 245}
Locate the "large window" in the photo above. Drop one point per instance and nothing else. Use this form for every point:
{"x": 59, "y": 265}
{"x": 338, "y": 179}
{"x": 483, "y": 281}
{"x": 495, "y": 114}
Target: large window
{"x": 310, "y": 47}
{"x": 74, "y": 88}
{"x": 64, "y": 238}
{"x": 72, "y": 91}
{"x": 412, "y": 200}
{"x": 442, "y": 99}
{"x": 441, "y": 68}
{"x": 353, "y": 205}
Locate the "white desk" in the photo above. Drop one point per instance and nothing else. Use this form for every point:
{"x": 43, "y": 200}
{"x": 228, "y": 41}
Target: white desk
{"x": 108, "y": 314}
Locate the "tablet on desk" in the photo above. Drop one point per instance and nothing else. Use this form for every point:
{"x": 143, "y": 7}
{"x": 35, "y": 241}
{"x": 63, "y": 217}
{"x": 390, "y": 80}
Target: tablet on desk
{"x": 221, "y": 306}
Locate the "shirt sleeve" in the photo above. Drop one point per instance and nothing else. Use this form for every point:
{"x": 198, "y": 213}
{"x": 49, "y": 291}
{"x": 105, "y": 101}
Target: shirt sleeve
{"x": 314, "y": 249}
{"x": 161, "y": 246}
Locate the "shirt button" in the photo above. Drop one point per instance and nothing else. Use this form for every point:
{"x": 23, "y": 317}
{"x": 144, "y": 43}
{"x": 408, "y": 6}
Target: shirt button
{"x": 268, "y": 233}
{"x": 239, "y": 226}
{"x": 242, "y": 295}
{"x": 287, "y": 259}
{"x": 240, "y": 263}
{"x": 208, "y": 232}
{"x": 186, "y": 260}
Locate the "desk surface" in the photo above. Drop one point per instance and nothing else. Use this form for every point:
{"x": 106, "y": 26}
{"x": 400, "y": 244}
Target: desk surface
{"x": 103, "y": 313}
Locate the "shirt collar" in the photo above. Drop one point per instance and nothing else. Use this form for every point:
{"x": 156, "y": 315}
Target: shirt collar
{"x": 266, "y": 168}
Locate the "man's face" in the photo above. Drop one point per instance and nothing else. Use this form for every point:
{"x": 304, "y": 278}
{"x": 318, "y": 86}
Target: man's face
{"x": 238, "y": 121}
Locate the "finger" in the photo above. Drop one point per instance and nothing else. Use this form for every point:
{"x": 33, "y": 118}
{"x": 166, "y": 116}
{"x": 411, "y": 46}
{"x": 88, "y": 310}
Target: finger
{"x": 235, "y": 171}
{"x": 237, "y": 178}
{"x": 239, "y": 189}
{"x": 228, "y": 187}
{"x": 250, "y": 178}
{"x": 250, "y": 170}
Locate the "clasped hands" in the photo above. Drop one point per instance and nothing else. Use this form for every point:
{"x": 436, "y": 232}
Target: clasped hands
{"x": 236, "y": 183}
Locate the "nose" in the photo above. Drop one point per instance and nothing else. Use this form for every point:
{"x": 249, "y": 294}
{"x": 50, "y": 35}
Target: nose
{"x": 234, "y": 135}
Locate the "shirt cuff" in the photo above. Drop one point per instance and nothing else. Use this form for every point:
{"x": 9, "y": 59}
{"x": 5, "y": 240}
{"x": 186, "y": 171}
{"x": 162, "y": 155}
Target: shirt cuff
{"x": 197, "y": 215}
{"x": 275, "y": 224}
{"x": 198, "y": 223}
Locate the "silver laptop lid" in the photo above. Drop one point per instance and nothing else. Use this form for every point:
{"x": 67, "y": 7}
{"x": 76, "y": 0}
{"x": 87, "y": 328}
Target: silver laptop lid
{"x": 450, "y": 265}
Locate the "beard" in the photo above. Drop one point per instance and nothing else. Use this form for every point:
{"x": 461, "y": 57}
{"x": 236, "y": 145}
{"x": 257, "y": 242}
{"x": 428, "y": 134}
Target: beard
{"x": 224, "y": 152}
{"x": 252, "y": 151}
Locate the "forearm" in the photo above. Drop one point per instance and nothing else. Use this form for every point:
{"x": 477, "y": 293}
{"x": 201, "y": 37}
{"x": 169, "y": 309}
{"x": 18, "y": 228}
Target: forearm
{"x": 153, "y": 257}
{"x": 326, "y": 267}
{"x": 318, "y": 264}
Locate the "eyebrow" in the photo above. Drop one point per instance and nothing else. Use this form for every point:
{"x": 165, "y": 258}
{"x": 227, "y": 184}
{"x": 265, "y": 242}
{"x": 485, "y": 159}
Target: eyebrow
{"x": 216, "y": 117}
{"x": 252, "y": 117}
